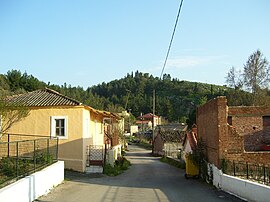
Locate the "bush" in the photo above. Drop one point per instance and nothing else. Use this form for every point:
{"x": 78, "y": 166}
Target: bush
{"x": 111, "y": 171}
{"x": 8, "y": 166}
{"x": 44, "y": 158}
{"x": 25, "y": 165}
{"x": 120, "y": 165}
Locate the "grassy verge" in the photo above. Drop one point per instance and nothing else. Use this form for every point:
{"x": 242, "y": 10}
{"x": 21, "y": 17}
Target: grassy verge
{"x": 141, "y": 142}
{"x": 144, "y": 144}
{"x": 173, "y": 162}
{"x": 119, "y": 167}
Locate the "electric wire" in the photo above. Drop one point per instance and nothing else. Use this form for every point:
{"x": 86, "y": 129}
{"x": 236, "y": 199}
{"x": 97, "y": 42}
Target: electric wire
{"x": 175, "y": 25}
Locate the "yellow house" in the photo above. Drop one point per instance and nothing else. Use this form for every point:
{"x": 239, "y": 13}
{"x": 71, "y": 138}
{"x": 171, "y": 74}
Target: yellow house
{"x": 76, "y": 125}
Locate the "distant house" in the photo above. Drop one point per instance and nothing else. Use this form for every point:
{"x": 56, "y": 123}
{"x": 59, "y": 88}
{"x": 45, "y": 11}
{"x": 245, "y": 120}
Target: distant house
{"x": 237, "y": 133}
{"x": 168, "y": 140}
{"x": 147, "y": 121}
{"x": 80, "y": 128}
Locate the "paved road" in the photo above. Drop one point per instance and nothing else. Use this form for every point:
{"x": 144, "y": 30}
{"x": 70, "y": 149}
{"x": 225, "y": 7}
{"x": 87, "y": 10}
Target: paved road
{"x": 148, "y": 179}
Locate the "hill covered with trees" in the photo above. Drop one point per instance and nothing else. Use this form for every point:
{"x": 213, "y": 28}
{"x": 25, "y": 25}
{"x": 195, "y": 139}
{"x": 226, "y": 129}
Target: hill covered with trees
{"x": 175, "y": 100}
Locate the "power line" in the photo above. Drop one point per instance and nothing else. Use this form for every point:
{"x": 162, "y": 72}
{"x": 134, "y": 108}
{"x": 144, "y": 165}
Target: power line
{"x": 175, "y": 25}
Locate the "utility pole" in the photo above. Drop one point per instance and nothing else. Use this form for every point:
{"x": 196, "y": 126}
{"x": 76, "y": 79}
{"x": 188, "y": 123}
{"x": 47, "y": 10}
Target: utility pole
{"x": 153, "y": 125}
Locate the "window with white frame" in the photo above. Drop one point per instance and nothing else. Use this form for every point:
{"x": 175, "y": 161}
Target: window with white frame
{"x": 59, "y": 126}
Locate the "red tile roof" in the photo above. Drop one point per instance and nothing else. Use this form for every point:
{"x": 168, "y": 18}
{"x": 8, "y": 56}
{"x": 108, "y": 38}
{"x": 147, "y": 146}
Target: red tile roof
{"x": 147, "y": 116}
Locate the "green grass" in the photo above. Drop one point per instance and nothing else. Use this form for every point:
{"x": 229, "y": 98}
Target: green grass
{"x": 145, "y": 145}
{"x": 178, "y": 164}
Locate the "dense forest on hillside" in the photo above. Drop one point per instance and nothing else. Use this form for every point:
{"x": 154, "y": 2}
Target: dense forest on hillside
{"x": 175, "y": 100}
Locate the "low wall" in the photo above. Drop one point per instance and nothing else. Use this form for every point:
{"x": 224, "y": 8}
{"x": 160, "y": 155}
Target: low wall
{"x": 246, "y": 189}
{"x": 113, "y": 154}
{"x": 35, "y": 185}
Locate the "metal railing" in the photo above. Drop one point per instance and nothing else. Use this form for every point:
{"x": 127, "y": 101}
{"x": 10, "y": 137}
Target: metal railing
{"x": 23, "y": 157}
{"x": 253, "y": 172}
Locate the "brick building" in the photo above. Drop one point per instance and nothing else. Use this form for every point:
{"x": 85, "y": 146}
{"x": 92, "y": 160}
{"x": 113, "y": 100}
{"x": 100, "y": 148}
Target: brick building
{"x": 234, "y": 133}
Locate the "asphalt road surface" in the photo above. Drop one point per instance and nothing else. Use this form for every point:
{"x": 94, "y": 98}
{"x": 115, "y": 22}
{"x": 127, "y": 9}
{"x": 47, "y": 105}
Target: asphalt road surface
{"x": 147, "y": 179}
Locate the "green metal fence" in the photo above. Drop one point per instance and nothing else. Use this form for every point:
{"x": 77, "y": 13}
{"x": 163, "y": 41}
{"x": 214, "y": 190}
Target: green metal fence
{"x": 26, "y": 155}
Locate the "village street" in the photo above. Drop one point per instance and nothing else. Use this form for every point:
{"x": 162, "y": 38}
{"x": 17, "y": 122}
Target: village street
{"x": 147, "y": 179}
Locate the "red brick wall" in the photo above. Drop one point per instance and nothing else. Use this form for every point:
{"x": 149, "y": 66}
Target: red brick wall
{"x": 246, "y": 123}
{"x": 249, "y": 110}
{"x": 227, "y": 142}
{"x": 211, "y": 118}
{"x": 248, "y": 120}
{"x": 233, "y": 150}
{"x": 231, "y": 146}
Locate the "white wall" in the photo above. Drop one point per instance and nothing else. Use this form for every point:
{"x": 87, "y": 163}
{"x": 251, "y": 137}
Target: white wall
{"x": 113, "y": 153}
{"x": 35, "y": 185}
{"x": 134, "y": 129}
{"x": 87, "y": 139}
{"x": 246, "y": 189}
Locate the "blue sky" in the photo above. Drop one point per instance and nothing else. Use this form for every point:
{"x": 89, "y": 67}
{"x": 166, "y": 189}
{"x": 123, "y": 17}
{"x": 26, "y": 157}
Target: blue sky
{"x": 89, "y": 42}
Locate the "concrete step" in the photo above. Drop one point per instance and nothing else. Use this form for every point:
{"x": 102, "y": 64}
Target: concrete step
{"x": 94, "y": 169}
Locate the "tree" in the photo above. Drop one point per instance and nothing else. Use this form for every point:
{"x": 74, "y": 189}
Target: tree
{"x": 14, "y": 79}
{"x": 256, "y": 73}
{"x": 10, "y": 114}
{"x": 166, "y": 77}
{"x": 234, "y": 79}
{"x": 255, "y": 78}
{"x": 30, "y": 83}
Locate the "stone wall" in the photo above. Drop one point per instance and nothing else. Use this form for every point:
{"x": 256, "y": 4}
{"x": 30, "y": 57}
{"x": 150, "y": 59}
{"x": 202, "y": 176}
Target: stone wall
{"x": 158, "y": 145}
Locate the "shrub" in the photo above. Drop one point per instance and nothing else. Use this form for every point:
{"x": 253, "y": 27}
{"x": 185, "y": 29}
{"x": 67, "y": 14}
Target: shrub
{"x": 44, "y": 158}
{"x": 111, "y": 171}
{"x": 8, "y": 166}
{"x": 120, "y": 165}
